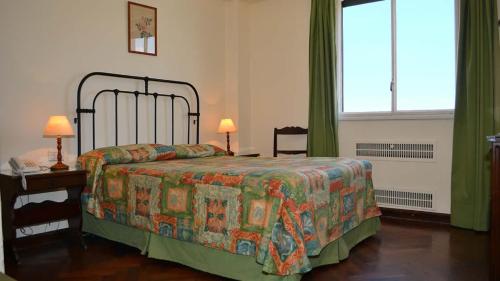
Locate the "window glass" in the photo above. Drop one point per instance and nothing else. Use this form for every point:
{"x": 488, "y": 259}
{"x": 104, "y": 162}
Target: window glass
{"x": 422, "y": 58}
{"x": 425, "y": 54}
{"x": 367, "y": 69}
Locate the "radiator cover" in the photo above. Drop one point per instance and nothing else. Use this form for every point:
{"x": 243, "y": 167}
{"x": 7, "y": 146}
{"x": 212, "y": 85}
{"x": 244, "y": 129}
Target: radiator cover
{"x": 396, "y": 151}
{"x": 402, "y": 199}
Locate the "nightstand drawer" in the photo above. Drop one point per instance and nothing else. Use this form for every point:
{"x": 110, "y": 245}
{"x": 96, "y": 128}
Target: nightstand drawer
{"x": 55, "y": 182}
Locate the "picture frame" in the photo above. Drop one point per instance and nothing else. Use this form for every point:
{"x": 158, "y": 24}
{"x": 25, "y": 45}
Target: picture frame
{"x": 142, "y": 29}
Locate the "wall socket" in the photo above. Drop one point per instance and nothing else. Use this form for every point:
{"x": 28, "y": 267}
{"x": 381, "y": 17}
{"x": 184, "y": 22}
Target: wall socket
{"x": 52, "y": 155}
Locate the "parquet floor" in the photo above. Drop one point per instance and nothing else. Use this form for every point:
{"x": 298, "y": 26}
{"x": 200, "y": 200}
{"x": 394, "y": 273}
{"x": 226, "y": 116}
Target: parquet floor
{"x": 400, "y": 251}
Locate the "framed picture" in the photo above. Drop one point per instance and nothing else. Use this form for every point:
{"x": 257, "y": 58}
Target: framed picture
{"x": 142, "y": 33}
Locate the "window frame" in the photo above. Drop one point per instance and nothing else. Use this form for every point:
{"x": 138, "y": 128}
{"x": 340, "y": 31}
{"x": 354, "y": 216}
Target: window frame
{"x": 394, "y": 114}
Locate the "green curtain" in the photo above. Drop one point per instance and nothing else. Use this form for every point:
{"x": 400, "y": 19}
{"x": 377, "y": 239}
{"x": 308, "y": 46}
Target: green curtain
{"x": 322, "y": 138}
{"x": 474, "y": 114}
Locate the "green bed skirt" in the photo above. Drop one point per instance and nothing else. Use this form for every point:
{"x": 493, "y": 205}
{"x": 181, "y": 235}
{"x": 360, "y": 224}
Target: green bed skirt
{"x": 215, "y": 261}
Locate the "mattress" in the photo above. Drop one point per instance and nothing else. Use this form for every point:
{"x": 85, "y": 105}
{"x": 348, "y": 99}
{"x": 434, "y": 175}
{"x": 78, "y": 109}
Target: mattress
{"x": 281, "y": 212}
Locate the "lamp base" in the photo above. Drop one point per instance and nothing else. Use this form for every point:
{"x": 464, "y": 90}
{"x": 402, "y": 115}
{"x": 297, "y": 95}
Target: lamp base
{"x": 59, "y": 166}
{"x": 229, "y": 152}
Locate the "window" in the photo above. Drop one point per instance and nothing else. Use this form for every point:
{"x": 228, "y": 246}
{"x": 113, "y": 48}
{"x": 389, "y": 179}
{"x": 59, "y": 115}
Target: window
{"x": 398, "y": 56}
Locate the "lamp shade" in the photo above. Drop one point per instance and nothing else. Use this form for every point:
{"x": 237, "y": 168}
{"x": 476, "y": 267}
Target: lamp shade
{"x": 226, "y": 126}
{"x": 58, "y": 126}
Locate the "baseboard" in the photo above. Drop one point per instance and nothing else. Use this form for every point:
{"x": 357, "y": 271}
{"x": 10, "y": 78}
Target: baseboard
{"x": 415, "y": 216}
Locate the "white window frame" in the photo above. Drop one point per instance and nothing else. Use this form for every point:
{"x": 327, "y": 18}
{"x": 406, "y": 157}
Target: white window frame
{"x": 394, "y": 114}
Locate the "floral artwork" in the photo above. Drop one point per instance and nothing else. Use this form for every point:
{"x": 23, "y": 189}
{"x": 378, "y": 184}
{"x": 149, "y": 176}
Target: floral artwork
{"x": 142, "y": 29}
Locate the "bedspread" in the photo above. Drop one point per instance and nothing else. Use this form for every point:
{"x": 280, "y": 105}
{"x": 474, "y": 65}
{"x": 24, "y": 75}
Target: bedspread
{"x": 280, "y": 210}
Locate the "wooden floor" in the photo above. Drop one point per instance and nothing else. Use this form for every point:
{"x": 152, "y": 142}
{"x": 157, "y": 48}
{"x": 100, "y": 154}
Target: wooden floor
{"x": 400, "y": 251}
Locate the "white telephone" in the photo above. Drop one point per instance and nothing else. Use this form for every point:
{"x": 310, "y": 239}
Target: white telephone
{"x": 23, "y": 166}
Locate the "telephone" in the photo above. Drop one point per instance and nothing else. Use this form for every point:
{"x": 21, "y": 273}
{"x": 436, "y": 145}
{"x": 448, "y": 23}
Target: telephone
{"x": 23, "y": 166}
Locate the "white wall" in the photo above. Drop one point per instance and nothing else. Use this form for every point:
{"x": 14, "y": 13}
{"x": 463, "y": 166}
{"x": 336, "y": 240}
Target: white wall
{"x": 278, "y": 39}
{"x": 48, "y": 46}
{"x": 278, "y": 43}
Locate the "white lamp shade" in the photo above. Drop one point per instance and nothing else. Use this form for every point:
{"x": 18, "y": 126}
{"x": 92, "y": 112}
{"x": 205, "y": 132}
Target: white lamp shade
{"x": 226, "y": 126}
{"x": 58, "y": 126}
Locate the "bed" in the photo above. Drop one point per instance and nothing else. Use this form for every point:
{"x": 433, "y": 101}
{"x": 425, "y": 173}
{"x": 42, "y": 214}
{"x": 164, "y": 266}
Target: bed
{"x": 239, "y": 217}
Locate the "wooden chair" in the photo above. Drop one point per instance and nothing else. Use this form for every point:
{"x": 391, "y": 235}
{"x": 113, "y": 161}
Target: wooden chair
{"x": 288, "y": 131}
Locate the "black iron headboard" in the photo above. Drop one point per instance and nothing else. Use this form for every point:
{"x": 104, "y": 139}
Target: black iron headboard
{"x": 79, "y": 110}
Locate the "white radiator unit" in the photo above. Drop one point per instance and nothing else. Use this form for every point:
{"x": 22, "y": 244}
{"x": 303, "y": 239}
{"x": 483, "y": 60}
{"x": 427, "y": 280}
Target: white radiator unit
{"x": 396, "y": 191}
{"x": 405, "y": 151}
{"x": 400, "y": 199}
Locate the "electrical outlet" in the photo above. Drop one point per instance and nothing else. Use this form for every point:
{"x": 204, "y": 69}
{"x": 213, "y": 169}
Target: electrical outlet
{"x": 52, "y": 155}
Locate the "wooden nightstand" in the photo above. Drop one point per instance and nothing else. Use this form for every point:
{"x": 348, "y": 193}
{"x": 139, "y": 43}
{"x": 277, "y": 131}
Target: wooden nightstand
{"x": 73, "y": 181}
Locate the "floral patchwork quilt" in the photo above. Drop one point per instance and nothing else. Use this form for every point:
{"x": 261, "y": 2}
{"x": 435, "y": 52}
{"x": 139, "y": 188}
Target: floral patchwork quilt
{"x": 280, "y": 210}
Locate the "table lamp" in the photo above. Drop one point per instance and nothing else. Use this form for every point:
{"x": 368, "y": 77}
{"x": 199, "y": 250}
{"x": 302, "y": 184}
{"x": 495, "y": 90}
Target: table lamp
{"x": 58, "y": 127}
{"x": 227, "y": 126}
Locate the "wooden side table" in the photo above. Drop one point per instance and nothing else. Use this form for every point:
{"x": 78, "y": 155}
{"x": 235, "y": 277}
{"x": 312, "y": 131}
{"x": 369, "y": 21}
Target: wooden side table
{"x": 73, "y": 181}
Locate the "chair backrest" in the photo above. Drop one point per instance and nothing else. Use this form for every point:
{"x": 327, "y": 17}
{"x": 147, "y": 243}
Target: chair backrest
{"x": 288, "y": 131}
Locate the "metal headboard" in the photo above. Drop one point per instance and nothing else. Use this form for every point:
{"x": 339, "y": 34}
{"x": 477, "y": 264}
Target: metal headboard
{"x": 79, "y": 110}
